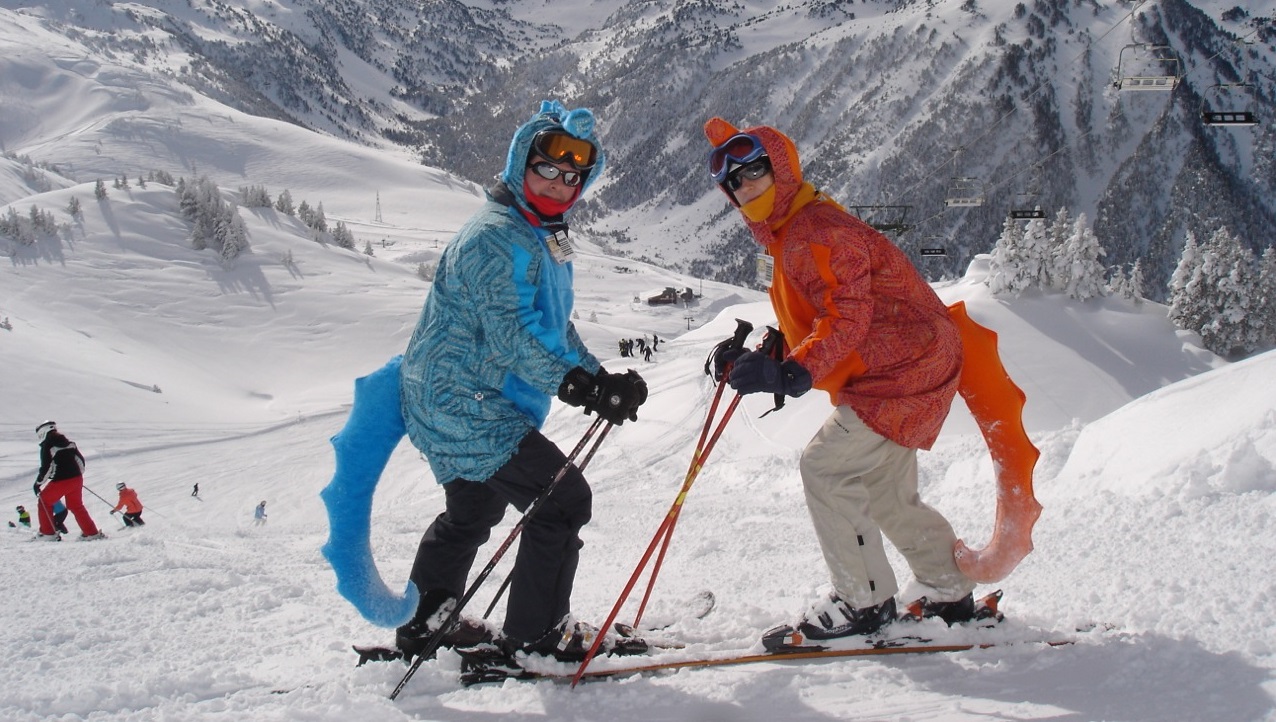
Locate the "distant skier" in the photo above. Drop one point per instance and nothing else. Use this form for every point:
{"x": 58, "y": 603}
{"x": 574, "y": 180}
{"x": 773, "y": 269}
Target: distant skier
{"x": 195, "y": 491}
{"x": 131, "y": 505}
{"x": 259, "y": 515}
{"x": 24, "y": 517}
{"x": 61, "y": 476}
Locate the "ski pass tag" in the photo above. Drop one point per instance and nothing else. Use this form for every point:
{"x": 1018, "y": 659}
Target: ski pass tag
{"x": 766, "y": 269}
{"x": 559, "y": 247}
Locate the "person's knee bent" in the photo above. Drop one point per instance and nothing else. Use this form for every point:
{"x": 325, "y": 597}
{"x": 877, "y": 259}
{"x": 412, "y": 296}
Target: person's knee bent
{"x": 572, "y": 502}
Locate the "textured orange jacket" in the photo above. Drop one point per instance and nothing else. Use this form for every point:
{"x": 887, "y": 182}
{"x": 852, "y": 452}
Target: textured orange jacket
{"x": 129, "y": 501}
{"x": 854, "y": 310}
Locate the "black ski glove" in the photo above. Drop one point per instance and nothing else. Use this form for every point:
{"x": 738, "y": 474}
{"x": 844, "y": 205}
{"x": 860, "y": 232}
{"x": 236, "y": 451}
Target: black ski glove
{"x": 755, "y": 372}
{"x": 36, "y": 486}
{"x": 620, "y": 397}
{"x": 615, "y": 397}
{"x": 576, "y": 387}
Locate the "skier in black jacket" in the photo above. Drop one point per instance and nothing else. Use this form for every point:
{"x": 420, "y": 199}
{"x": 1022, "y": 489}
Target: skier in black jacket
{"x": 61, "y": 476}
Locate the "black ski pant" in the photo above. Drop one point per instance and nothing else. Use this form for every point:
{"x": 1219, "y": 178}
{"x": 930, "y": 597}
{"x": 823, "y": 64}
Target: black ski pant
{"x": 548, "y": 549}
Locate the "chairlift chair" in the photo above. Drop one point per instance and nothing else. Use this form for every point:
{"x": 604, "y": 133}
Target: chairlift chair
{"x": 1027, "y": 205}
{"x": 1214, "y": 111}
{"x": 1141, "y": 66}
{"x": 964, "y": 193}
{"x": 934, "y": 247}
{"x": 887, "y": 219}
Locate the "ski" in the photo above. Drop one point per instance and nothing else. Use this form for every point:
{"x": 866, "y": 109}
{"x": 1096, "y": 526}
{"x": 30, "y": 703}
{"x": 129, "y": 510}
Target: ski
{"x": 698, "y": 607}
{"x": 475, "y": 671}
{"x": 984, "y": 614}
{"x": 377, "y": 653}
{"x": 914, "y": 633}
{"x": 382, "y": 653}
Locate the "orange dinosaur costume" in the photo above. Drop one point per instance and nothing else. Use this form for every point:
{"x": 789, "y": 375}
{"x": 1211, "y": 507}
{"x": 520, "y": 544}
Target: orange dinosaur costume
{"x": 873, "y": 335}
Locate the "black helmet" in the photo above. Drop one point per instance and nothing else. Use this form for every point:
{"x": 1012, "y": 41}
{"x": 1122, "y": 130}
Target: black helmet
{"x": 21, "y": 508}
{"x": 43, "y": 429}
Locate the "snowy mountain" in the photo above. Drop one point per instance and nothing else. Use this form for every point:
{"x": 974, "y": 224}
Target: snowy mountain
{"x": 171, "y": 367}
{"x": 898, "y": 107}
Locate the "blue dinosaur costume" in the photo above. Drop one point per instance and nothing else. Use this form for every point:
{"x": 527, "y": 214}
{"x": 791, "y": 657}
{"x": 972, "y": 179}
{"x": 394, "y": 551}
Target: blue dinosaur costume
{"x": 495, "y": 338}
{"x": 493, "y": 343}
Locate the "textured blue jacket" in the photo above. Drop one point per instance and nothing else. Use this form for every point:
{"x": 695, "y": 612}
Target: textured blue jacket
{"x": 495, "y": 336}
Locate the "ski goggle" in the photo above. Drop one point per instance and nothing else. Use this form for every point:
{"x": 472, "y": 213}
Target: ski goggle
{"x": 752, "y": 171}
{"x": 559, "y": 147}
{"x": 571, "y": 179}
{"x": 740, "y": 149}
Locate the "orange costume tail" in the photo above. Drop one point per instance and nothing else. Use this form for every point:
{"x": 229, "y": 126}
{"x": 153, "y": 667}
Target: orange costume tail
{"x": 997, "y": 403}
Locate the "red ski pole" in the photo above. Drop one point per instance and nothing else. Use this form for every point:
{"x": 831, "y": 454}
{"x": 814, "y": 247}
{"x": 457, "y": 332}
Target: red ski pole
{"x": 666, "y": 528}
{"x": 665, "y": 532}
{"x": 692, "y": 471}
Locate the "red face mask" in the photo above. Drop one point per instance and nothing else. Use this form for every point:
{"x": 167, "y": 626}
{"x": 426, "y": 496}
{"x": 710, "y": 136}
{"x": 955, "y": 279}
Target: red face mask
{"x": 548, "y": 206}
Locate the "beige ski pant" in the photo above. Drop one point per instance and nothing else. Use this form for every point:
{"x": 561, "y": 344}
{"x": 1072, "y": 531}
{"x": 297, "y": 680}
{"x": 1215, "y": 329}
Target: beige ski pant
{"x": 859, "y": 486}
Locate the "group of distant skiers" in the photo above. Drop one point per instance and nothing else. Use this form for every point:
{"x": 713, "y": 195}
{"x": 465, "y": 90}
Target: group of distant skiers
{"x": 59, "y": 492}
{"x": 627, "y": 346}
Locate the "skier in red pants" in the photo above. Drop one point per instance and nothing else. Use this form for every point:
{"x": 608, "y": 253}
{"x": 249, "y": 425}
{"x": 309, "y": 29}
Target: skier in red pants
{"x": 61, "y": 476}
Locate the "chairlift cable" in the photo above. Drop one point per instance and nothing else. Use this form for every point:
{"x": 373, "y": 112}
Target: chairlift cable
{"x": 1074, "y": 143}
{"x": 1040, "y": 86}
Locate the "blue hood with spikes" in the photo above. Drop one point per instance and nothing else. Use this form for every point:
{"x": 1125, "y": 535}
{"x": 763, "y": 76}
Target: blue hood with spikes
{"x": 552, "y": 114}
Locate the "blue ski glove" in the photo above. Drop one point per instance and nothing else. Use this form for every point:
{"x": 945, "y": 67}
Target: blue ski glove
{"x": 755, "y": 372}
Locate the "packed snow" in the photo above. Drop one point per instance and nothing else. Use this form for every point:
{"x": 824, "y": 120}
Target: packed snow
{"x": 170, "y": 368}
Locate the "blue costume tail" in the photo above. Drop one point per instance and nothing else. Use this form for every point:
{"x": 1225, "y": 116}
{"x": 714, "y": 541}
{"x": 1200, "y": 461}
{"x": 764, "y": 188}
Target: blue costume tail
{"x": 363, "y": 448}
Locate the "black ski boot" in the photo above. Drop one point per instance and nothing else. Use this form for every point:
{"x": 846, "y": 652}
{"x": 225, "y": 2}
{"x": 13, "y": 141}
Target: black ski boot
{"x": 435, "y": 607}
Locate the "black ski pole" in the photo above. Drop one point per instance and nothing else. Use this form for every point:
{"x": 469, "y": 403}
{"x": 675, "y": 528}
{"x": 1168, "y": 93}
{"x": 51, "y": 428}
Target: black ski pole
{"x": 39, "y": 500}
{"x": 433, "y": 644}
{"x": 499, "y": 593}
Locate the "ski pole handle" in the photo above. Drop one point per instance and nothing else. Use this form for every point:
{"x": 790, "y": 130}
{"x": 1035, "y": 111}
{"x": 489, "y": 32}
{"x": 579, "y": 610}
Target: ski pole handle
{"x": 742, "y": 330}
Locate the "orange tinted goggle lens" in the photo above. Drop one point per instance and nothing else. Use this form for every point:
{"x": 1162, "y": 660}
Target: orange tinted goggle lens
{"x": 563, "y": 148}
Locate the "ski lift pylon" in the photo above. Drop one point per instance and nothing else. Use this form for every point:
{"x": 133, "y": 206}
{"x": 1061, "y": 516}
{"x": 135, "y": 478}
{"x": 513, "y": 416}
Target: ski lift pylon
{"x": 1141, "y": 66}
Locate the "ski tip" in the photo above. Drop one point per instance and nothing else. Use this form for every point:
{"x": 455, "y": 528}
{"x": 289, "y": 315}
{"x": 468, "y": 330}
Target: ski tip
{"x": 376, "y": 653}
{"x": 988, "y": 607}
